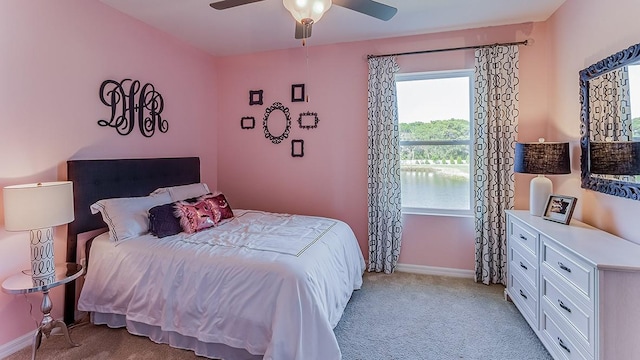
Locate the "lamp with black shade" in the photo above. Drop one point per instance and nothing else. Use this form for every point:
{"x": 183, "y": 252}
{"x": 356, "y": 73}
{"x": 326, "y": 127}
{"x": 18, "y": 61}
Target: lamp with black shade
{"x": 541, "y": 158}
{"x": 614, "y": 157}
{"x": 37, "y": 208}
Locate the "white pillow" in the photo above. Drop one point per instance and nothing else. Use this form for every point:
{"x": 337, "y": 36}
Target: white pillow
{"x": 128, "y": 217}
{"x": 182, "y": 192}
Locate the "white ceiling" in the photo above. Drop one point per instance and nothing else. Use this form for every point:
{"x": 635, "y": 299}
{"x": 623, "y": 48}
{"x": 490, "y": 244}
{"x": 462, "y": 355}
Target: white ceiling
{"x": 267, "y": 25}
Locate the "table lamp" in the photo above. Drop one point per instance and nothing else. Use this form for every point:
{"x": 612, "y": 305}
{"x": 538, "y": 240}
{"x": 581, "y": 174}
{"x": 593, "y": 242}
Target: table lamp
{"x": 38, "y": 208}
{"x": 541, "y": 158}
{"x": 614, "y": 157}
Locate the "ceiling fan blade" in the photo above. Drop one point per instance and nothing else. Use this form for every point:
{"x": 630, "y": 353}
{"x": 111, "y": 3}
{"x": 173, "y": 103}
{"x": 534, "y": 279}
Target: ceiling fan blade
{"x": 225, "y": 4}
{"x": 369, "y": 7}
{"x": 303, "y": 31}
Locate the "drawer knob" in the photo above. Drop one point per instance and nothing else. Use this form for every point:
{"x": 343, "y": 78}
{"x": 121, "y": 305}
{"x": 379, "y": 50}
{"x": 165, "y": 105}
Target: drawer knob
{"x": 562, "y": 345}
{"x": 523, "y": 294}
{"x": 563, "y": 306}
{"x": 564, "y": 267}
{"x": 523, "y": 237}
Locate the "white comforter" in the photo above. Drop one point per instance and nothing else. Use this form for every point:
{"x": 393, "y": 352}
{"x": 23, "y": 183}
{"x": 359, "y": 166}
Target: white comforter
{"x": 272, "y": 284}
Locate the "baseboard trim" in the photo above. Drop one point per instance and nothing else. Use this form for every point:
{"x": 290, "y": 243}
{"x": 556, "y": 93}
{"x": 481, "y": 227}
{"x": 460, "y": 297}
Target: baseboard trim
{"x": 16, "y": 345}
{"x": 433, "y": 270}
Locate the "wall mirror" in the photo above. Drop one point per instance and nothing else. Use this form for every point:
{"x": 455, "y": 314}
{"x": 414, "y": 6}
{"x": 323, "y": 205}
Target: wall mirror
{"x": 610, "y": 115}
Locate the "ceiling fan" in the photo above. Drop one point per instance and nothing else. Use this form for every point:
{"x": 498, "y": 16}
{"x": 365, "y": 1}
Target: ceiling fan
{"x": 308, "y": 12}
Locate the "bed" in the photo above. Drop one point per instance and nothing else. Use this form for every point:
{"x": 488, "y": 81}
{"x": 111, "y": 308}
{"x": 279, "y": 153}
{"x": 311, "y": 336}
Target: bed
{"x": 257, "y": 285}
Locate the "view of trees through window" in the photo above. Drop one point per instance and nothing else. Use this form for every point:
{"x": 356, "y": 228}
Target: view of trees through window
{"x": 452, "y": 129}
{"x": 435, "y": 141}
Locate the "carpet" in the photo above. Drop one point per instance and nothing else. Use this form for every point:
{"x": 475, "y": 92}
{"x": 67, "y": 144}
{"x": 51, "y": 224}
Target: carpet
{"x": 401, "y": 316}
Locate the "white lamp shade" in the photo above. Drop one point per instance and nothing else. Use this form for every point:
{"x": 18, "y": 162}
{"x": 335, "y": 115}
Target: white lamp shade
{"x": 307, "y": 9}
{"x": 38, "y": 206}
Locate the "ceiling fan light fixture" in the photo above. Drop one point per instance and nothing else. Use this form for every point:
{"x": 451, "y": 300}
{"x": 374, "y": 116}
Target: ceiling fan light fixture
{"x": 307, "y": 9}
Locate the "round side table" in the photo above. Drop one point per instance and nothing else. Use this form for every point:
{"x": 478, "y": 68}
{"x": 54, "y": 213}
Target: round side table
{"x": 23, "y": 284}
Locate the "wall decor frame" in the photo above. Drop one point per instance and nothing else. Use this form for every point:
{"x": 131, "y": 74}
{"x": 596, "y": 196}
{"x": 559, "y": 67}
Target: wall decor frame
{"x": 248, "y": 122}
{"x": 129, "y": 101}
{"x": 255, "y": 97}
{"x": 606, "y": 185}
{"x": 305, "y": 116}
{"x": 276, "y": 106}
{"x": 297, "y": 93}
{"x": 559, "y": 208}
{"x": 297, "y": 148}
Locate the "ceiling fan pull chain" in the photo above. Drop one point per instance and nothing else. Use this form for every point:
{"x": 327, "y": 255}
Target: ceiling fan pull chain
{"x": 306, "y": 70}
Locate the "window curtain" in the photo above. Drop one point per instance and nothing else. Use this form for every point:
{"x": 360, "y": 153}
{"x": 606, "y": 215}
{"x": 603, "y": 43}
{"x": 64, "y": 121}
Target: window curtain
{"x": 610, "y": 106}
{"x": 495, "y": 126}
{"x": 610, "y": 111}
{"x": 384, "y": 197}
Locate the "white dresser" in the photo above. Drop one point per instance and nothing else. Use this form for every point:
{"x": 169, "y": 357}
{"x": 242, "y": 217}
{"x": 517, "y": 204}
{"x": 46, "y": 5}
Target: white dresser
{"x": 577, "y": 286}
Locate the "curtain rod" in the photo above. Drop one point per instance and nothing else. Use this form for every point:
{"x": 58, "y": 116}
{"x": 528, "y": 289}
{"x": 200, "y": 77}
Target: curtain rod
{"x": 525, "y": 42}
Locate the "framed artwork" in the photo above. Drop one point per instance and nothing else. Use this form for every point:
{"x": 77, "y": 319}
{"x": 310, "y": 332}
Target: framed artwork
{"x": 255, "y": 97}
{"x": 297, "y": 148}
{"x": 297, "y": 93}
{"x": 308, "y": 120}
{"x": 248, "y": 122}
{"x": 559, "y": 208}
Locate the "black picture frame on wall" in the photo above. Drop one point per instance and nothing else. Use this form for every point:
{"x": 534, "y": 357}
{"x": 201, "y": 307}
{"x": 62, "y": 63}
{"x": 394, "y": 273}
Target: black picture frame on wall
{"x": 248, "y": 122}
{"x": 297, "y": 93}
{"x": 297, "y": 148}
{"x": 255, "y": 97}
{"x": 308, "y": 120}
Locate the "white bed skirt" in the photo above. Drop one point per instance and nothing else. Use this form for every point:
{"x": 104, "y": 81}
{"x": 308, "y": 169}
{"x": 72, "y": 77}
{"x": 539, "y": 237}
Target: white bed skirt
{"x": 173, "y": 339}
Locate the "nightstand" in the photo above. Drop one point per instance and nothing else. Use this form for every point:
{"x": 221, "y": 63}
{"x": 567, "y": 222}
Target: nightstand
{"x": 23, "y": 284}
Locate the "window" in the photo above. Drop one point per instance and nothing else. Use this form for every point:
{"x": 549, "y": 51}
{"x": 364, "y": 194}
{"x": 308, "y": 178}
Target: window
{"x": 434, "y": 112}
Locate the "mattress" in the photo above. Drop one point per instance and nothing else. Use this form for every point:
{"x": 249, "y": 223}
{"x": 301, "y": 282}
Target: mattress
{"x": 272, "y": 285}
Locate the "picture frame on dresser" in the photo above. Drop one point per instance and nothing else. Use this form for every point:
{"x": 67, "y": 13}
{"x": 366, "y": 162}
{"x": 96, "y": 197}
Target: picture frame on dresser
{"x": 559, "y": 208}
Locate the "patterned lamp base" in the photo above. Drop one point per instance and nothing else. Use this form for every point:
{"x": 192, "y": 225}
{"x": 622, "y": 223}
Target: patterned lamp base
{"x": 42, "y": 263}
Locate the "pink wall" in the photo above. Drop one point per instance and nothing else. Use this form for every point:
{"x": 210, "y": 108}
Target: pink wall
{"x": 583, "y": 32}
{"x": 53, "y": 57}
{"x": 331, "y": 179}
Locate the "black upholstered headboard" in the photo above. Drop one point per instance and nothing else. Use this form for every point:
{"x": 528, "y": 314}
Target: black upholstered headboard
{"x": 94, "y": 180}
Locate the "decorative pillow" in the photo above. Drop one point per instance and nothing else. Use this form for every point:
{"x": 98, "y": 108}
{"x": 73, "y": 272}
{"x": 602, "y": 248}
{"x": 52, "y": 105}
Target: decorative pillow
{"x": 196, "y": 216}
{"x": 128, "y": 217}
{"x": 183, "y": 192}
{"x": 162, "y": 221}
{"x": 218, "y": 203}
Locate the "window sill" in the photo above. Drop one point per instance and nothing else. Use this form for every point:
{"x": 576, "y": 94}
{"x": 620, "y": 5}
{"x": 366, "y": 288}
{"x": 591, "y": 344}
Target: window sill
{"x": 436, "y": 212}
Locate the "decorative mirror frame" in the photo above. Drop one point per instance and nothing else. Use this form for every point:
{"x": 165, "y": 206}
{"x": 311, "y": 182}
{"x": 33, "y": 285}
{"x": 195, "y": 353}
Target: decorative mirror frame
{"x": 608, "y": 186}
{"x": 265, "y": 121}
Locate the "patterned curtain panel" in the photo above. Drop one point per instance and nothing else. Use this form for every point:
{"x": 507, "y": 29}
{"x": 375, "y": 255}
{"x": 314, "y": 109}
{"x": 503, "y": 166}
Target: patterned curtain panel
{"x": 384, "y": 197}
{"x": 610, "y": 111}
{"x": 495, "y": 126}
{"x": 610, "y": 106}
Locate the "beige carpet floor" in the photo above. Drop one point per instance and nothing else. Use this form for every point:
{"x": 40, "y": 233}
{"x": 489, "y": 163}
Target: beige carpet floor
{"x": 398, "y": 316}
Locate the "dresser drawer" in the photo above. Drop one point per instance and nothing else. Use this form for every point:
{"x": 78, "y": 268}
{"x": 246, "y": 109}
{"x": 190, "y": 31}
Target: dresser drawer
{"x": 575, "y": 313}
{"x": 576, "y": 271}
{"x": 522, "y": 261}
{"x": 524, "y": 235}
{"x": 559, "y": 338}
{"x": 525, "y": 298}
